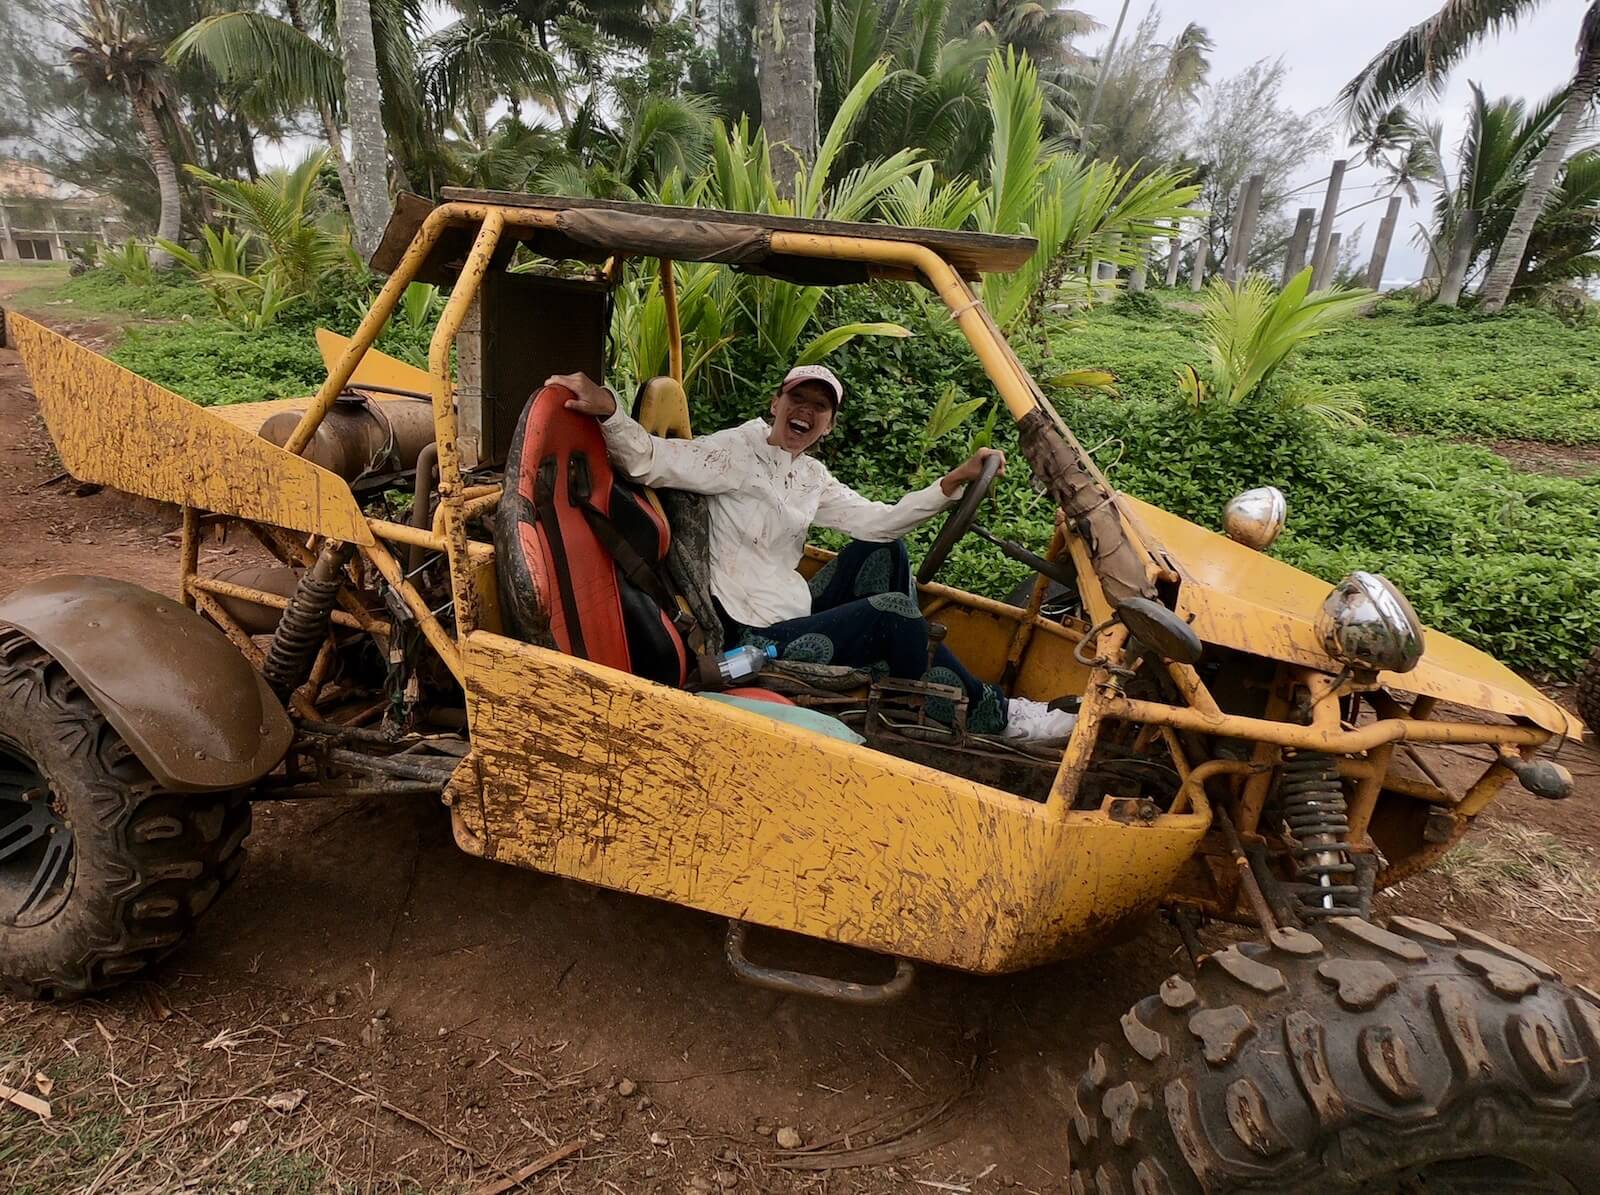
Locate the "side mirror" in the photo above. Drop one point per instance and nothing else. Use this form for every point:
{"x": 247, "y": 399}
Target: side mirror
{"x": 1160, "y": 630}
{"x": 1256, "y": 517}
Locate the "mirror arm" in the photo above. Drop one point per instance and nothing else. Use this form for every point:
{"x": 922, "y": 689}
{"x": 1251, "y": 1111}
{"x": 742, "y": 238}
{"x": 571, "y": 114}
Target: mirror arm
{"x": 1053, "y": 569}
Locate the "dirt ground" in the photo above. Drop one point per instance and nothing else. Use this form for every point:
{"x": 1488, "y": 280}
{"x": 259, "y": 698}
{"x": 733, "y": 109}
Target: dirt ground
{"x": 371, "y": 1010}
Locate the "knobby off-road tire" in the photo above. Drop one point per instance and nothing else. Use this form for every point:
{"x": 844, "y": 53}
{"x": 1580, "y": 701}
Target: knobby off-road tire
{"x": 102, "y": 872}
{"x": 1589, "y": 691}
{"x": 1407, "y": 1060}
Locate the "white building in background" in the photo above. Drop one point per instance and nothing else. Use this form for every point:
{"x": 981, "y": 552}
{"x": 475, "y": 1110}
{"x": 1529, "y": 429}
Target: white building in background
{"x": 42, "y": 217}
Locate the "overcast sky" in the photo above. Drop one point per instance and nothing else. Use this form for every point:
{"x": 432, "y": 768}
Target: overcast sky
{"x": 1324, "y": 44}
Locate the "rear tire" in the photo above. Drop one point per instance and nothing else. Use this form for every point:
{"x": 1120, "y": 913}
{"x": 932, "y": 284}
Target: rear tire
{"x": 102, "y": 871}
{"x": 1589, "y": 692}
{"x": 1412, "y": 1060}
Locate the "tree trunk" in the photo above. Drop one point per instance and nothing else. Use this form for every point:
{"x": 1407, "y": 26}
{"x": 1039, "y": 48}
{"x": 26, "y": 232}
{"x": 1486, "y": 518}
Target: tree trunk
{"x": 369, "y": 149}
{"x": 1508, "y": 257}
{"x": 247, "y": 147}
{"x": 330, "y": 127}
{"x": 155, "y": 139}
{"x": 559, "y": 98}
{"x": 786, "y": 34}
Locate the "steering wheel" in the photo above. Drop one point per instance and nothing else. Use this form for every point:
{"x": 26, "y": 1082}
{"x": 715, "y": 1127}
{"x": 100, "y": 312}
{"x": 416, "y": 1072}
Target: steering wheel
{"x": 960, "y": 520}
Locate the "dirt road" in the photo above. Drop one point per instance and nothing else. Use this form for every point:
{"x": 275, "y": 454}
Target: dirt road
{"x": 423, "y": 1020}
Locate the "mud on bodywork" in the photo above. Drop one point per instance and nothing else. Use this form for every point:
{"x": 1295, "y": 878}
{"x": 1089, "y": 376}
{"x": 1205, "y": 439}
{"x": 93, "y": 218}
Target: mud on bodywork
{"x": 193, "y": 710}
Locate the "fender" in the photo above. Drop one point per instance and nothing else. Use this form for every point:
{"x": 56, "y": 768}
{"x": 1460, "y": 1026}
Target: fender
{"x": 192, "y": 709}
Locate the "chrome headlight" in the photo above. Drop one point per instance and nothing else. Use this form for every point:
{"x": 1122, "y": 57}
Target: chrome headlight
{"x": 1256, "y": 517}
{"x": 1368, "y": 624}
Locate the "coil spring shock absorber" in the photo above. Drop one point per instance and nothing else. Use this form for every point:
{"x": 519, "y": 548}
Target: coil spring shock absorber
{"x": 1314, "y": 812}
{"x": 305, "y": 621}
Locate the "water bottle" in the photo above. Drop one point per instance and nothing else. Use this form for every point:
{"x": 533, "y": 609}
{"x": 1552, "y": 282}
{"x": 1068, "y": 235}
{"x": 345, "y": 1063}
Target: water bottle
{"x": 734, "y": 666}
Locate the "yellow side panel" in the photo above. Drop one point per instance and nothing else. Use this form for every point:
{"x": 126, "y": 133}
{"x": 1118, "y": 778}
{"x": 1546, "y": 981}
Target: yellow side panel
{"x": 376, "y": 369}
{"x": 591, "y": 773}
{"x": 1248, "y": 600}
{"x": 116, "y": 428}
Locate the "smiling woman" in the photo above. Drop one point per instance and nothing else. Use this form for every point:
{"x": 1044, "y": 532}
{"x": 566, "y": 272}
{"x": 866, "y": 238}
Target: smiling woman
{"x": 765, "y": 494}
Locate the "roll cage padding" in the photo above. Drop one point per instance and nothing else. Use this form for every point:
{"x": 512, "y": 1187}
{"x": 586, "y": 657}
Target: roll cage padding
{"x": 582, "y": 552}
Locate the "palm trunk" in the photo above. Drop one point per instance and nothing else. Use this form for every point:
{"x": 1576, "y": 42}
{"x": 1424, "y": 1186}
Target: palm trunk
{"x": 341, "y": 164}
{"x": 369, "y": 148}
{"x": 161, "y": 162}
{"x": 786, "y": 65}
{"x": 247, "y": 147}
{"x": 330, "y": 128}
{"x": 1508, "y": 257}
{"x": 559, "y": 98}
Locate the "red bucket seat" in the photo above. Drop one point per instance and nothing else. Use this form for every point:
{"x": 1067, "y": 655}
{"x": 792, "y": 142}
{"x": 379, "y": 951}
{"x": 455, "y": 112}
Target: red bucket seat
{"x": 581, "y": 551}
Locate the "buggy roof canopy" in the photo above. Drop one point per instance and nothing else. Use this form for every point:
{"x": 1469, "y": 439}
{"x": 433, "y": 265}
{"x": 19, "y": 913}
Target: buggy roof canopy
{"x": 595, "y": 229}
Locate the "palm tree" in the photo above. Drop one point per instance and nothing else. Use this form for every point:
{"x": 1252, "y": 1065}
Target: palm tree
{"x": 1405, "y": 148}
{"x": 285, "y": 66}
{"x": 424, "y": 84}
{"x": 363, "y": 97}
{"x": 934, "y": 95}
{"x": 1044, "y": 30}
{"x": 1422, "y": 57}
{"x": 114, "y": 56}
{"x": 1504, "y": 141}
{"x": 627, "y": 23}
{"x": 1188, "y": 67}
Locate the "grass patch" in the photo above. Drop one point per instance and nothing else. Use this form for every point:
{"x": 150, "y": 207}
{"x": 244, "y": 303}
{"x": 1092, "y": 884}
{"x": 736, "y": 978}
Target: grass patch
{"x": 1521, "y": 375}
{"x": 106, "y": 294}
{"x": 212, "y": 362}
{"x": 39, "y": 273}
{"x": 1527, "y": 873}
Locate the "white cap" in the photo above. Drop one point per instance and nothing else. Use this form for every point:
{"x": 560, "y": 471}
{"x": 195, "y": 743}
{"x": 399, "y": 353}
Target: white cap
{"x": 814, "y": 373}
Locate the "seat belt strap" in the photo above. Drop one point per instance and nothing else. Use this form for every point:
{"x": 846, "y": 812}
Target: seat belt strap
{"x": 544, "y": 509}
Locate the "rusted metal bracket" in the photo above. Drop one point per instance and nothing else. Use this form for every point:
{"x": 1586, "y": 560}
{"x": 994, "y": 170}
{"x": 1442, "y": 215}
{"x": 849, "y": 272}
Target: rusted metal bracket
{"x": 802, "y": 983}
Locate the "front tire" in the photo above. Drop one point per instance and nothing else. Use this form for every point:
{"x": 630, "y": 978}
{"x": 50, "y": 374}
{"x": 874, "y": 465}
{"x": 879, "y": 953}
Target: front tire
{"x": 1407, "y": 1060}
{"x": 102, "y": 871}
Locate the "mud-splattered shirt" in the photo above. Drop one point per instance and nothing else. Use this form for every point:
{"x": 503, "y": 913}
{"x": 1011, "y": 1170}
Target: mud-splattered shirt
{"x": 762, "y": 503}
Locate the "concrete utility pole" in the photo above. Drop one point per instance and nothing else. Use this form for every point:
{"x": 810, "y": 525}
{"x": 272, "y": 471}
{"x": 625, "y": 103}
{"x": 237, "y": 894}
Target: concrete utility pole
{"x": 1322, "y": 278}
{"x": 1330, "y": 209}
{"x": 1202, "y": 250}
{"x": 8, "y": 247}
{"x": 1174, "y": 254}
{"x": 1380, "y": 247}
{"x": 1455, "y": 274}
{"x": 1140, "y": 268}
{"x": 1295, "y": 260}
{"x": 1249, "y": 210}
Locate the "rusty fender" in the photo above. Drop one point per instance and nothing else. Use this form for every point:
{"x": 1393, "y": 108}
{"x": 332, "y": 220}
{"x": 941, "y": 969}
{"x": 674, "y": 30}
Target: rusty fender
{"x": 193, "y": 710}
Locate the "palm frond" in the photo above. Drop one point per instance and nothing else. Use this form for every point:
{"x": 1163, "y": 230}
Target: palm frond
{"x": 1421, "y": 58}
{"x": 288, "y": 67}
{"x": 476, "y": 61}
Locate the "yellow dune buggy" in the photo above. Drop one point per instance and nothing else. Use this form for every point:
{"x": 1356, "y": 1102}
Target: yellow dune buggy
{"x": 1252, "y": 745}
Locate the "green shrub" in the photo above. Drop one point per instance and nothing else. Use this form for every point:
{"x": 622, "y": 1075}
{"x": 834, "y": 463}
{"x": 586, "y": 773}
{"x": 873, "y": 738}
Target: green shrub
{"x": 212, "y": 362}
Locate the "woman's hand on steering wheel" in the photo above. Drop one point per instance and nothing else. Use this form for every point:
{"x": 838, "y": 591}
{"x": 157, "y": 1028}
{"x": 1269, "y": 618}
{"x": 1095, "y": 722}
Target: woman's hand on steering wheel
{"x": 978, "y": 475}
{"x": 970, "y": 470}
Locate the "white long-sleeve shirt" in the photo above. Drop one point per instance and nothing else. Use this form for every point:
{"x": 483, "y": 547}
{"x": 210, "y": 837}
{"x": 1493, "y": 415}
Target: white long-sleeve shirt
{"x": 762, "y": 502}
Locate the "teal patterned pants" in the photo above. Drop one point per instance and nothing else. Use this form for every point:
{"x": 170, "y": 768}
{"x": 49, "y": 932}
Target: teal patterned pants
{"x": 863, "y": 615}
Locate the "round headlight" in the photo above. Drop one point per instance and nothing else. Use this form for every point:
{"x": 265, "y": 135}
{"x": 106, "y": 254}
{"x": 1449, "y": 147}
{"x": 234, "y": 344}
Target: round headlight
{"x": 1256, "y": 517}
{"x": 1368, "y": 624}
